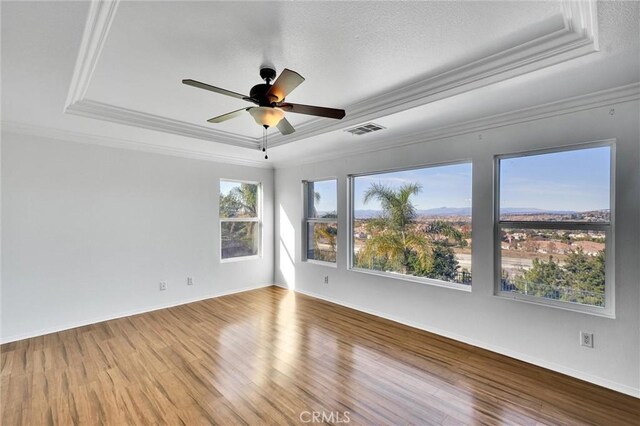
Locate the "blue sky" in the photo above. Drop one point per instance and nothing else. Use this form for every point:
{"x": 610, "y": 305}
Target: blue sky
{"x": 328, "y": 197}
{"x": 442, "y": 186}
{"x": 571, "y": 180}
{"x": 575, "y": 180}
{"x": 226, "y": 186}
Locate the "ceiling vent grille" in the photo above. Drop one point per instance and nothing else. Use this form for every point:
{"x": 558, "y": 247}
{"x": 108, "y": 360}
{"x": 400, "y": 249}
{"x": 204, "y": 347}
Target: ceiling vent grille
{"x": 363, "y": 129}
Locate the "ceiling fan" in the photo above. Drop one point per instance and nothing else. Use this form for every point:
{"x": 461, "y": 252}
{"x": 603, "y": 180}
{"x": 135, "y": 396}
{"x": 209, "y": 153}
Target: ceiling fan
{"x": 269, "y": 98}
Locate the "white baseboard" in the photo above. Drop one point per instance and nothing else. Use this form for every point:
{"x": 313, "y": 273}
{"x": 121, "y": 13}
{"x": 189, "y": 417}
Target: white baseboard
{"x": 628, "y": 390}
{"x": 103, "y": 318}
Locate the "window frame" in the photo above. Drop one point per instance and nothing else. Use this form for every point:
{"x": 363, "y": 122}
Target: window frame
{"x": 306, "y": 220}
{"x": 608, "y": 310}
{"x": 257, "y": 219}
{"x": 351, "y": 218}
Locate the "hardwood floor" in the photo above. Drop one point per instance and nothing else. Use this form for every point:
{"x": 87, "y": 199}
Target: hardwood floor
{"x": 270, "y": 356}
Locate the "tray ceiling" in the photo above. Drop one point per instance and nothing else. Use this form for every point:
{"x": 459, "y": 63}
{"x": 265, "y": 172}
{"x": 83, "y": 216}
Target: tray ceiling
{"x": 371, "y": 58}
{"x": 109, "y": 72}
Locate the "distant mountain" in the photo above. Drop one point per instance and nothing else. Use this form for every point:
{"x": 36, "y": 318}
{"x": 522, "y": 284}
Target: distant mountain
{"x": 464, "y": 211}
{"x": 533, "y": 210}
{"x": 367, "y": 214}
{"x": 446, "y": 211}
{"x": 439, "y": 211}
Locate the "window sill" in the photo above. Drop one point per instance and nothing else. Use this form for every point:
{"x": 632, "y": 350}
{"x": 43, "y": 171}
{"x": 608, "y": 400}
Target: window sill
{"x": 240, "y": 259}
{"x": 419, "y": 280}
{"x": 567, "y": 306}
{"x": 321, "y": 263}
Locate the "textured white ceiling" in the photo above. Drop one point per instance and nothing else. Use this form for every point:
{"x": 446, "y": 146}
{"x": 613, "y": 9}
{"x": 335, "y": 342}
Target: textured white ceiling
{"x": 348, "y": 51}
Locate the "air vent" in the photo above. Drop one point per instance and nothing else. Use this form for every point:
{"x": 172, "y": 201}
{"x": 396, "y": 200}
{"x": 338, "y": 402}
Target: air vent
{"x": 363, "y": 129}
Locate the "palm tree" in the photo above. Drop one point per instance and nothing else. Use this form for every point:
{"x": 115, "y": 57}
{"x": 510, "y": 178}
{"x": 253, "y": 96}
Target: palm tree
{"x": 324, "y": 232}
{"x": 446, "y": 229}
{"x": 394, "y": 235}
{"x": 241, "y": 201}
{"x": 247, "y": 197}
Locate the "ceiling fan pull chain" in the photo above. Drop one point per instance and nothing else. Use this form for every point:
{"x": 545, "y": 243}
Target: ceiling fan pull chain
{"x": 266, "y": 157}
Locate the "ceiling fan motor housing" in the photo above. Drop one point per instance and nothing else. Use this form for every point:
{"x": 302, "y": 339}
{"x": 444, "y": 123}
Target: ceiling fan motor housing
{"x": 259, "y": 93}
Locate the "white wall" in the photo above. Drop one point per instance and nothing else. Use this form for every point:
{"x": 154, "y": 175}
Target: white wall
{"x": 539, "y": 334}
{"x": 89, "y": 232}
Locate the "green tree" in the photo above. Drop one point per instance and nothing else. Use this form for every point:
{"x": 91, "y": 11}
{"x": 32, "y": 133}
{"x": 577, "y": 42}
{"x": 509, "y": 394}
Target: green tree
{"x": 393, "y": 235}
{"x": 443, "y": 264}
{"x": 580, "y": 280}
{"x": 326, "y": 233}
{"x": 585, "y": 276}
{"x": 543, "y": 279}
{"x": 240, "y": 201}
{"x": 446, "y": 229}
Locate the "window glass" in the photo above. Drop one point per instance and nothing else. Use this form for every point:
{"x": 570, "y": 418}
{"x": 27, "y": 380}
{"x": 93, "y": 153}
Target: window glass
{"x": 322, "y": 199}
{"x": 414, "y": 222}
{"x": 239, "y": 239}
{"x": 239, "y": 219}
{"x": 238, "y": 199}
{"x": 559, "y": 186}
{"x": 554, "y": 225}
{"x": 321, "y": 239}
{"x": 321, "y": 225}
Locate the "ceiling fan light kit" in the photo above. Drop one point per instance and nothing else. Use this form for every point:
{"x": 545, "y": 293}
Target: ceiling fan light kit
{"x": 266, "y": 116}
{"x": 269, "y": 98}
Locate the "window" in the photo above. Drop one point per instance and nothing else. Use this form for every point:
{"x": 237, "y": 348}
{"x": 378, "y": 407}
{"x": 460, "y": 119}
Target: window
{"x": 321, "y": 220}
{"x": 239, "y": 219}
{"x": 554, "y": 227}
{"x": 414, "y": 224}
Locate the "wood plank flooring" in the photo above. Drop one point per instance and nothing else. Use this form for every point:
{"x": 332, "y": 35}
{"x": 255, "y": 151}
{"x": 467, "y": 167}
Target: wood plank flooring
{"x": 271, "y": 356}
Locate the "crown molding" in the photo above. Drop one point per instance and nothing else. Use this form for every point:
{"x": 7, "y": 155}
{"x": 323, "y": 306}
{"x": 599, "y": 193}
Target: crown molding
{"x": 578, "y": 37}
{"x": 617, "y": 95}
{"x": 86, "y": 138}
{"x": 582, "y": 18}
{"x": 607, "y": 97}
{"x": 115, "y": 114}
{"x": 96, "y": 29}
{"x": 557, "y": 47}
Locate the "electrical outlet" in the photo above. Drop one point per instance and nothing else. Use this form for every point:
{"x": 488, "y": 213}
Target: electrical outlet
{"x": 163, "y": 285}
{"x": 189, "y": 281}
{"x": 586, "y": 339}
{"x": 326, "y": 279}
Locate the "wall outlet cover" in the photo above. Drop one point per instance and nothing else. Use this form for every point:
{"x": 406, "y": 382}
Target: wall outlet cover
{"x": 586, "y": 339}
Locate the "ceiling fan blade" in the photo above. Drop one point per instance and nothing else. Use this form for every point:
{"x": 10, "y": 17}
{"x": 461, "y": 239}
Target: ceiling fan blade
{"x": 227, "y": 116}
{"x": 226, "y": 92}
{"x": 313, "y": 110}
{"x": 284, "y": 84}
{"x": 285, "y": 127}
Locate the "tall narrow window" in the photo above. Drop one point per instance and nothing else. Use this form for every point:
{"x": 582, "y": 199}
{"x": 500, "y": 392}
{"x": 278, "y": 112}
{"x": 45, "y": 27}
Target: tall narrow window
{"x": 239, "y": 219}
{"x": 414, "y": 224}
{"x": 554, "y": 227}
{"x": 321, "y": 220}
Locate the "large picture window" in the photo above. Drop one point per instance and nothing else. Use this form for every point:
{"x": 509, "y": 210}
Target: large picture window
{"x": 239, "y": 219}
{"x": 414, "y": 224}
{"x": 321, "y": 220}
{"x": 554, "y": 227}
